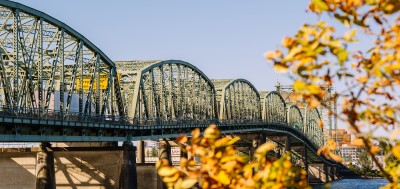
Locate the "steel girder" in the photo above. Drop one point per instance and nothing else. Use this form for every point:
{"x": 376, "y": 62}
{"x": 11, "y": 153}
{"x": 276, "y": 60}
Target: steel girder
{"x": 273, "y": 107}
{"x": 294, "y": 117}
{"x": 237, "y": 99}
{"x": 47, "y": 66}
{"x": 165, "y": 90}
{"x": 312, "y": 126}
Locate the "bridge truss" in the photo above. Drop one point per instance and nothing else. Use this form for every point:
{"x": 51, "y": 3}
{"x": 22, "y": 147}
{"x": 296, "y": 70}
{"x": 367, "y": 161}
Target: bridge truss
{"x": 57, "y": 86}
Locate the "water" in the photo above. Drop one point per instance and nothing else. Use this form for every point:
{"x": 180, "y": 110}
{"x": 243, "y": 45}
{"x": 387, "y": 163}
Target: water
{"x": 357, "y": 184}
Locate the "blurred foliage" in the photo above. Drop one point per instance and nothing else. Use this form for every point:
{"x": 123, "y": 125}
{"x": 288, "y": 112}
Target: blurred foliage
{"x": 221, "y": 166}
{"x": 317, "y": 57}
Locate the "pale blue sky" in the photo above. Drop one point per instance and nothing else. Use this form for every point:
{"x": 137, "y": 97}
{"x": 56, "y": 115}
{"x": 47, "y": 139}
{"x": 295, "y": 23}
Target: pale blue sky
{"x": 224, "y": 38}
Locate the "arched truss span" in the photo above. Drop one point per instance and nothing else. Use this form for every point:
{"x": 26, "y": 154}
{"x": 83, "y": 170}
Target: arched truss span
{"x": 312, "y": 128}
{"x": 168, "y": 89}
{"x": 45, "y": 65}
{"x": 237, "y": 99}
{"x": 295, "y": 119}
{"x": 273, "y": 107}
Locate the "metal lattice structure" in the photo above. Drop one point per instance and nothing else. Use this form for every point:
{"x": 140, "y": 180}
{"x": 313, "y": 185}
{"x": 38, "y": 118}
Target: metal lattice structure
{"x": 295, "y": 118}
{"x": 47, "y": 66}
{"x": 273, "y": 107}
{"x": 327, "y": 112}
{"x": 57, "y": 86}
{"x": 237, "y": 99}
{"x": 166, "y": 90}
{"x": 312, "y": 128}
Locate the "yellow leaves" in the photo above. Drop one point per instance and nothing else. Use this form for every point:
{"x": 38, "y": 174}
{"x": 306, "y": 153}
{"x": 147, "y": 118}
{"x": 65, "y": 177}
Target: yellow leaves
{"x": 271, "y": 55}
{"x": 220, "y": 166}
{"x": 167, "y": 171}
{"x": 396, "y": 151}
{"x": 263, "y": 150}
{"x": 342, "y": 56}
{"x": 212, "y": 132}
{"x": 182, "y": 139}
{"x": 226, "y": 141}
{"x": 357, "y": 142}
{"x": 349, "y": 36}
{"x": 288, "y": 42}
{"x": 299, "y": 86}
{"x": 185, "y": 183}
{"x": 319, "y": 6}
{"x": 280, "y": 67}
{"x": 223, "y": 178}
{"x": 196, "y": 133}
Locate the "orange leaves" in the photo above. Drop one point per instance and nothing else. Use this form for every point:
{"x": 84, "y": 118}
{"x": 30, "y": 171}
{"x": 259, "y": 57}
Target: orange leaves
{"x": 328, "y": 151}
{"x": 220, "y": 165}
{"x": 375, "y": 149}
{"x": 357, "y": 142}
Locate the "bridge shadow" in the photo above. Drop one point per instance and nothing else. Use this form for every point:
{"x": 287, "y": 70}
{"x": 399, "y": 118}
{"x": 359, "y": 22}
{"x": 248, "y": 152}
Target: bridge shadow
{"x": 17, "y": 170}
{"x": 87, "y": 169}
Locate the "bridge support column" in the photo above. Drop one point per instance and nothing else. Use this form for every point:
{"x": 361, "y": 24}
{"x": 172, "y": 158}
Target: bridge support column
{"x": 184, "y": 154}
{"x": 165, "y": 150}
{"x": 288, "y": 145}
{"x": 263, "y": 138}
{"x": 332, "y": 172}
{"x": 128, "y": 176}
{"x": 140, "y": 151}
{"x": 45, "y": 176}
{"x": 326, "y": 172}
{"x": 305, "y": 155}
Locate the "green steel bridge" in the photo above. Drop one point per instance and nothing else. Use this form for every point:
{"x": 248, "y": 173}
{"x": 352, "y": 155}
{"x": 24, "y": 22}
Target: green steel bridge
{"x": 56, "y": 86}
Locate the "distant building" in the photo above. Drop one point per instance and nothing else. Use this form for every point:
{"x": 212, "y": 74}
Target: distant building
{"x": 349, "y": 153}
{"x": 342, "y": 137}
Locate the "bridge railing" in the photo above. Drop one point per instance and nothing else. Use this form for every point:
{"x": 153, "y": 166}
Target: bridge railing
{"x": 57, "y": 115}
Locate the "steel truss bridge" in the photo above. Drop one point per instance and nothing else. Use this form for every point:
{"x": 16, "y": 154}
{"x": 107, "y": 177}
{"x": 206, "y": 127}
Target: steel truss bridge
{"x": 57, "y": 86}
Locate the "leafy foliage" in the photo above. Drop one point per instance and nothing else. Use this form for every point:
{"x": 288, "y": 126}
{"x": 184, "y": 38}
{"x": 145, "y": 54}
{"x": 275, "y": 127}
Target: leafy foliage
{"x": 220, "y": 165}
{"x": 317, "y": 56}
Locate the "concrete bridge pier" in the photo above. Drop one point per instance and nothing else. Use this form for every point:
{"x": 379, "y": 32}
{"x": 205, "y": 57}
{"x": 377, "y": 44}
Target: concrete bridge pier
{"x": 288, "y": 146}
{"x": 165, "y": 150}
{"x": 332, "y": 173}
{"x": 140, "y": 152}
{"x": 326, "y": 172}
{"x": 184, "y": 154}
{"x": 263, "y": 138}
{"x": 305, "y": 161}
{"x": 128, "y": 176}
{"x": 45, "y": 177}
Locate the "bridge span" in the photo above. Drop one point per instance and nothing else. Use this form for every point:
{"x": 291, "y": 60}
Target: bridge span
{"x": 56, "y": 86}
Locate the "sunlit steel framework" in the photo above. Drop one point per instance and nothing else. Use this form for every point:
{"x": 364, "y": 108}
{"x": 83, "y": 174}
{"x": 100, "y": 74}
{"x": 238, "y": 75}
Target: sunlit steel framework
{"x": 276, "y": 111}
{"x": 237, "y": 99}
{"x": 168, "y": 89}
{"x": 327, "y": 111}
{"x": 273, "y": 107}
{"x": 295, "y": 118}
{"x": 47, "y": 66}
